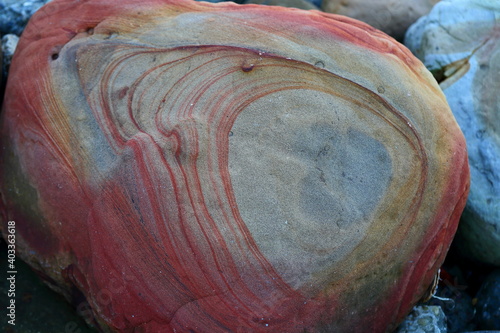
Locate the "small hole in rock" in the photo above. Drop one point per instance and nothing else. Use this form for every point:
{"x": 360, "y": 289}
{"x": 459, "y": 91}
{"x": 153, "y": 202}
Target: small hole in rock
{"x": 320, "y": 64}
{"x": 247, "y": 67}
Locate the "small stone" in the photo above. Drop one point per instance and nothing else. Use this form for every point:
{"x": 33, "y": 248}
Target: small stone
{"x": 9, "y": 44}
{"x": 459, "y": 42}
{"x": 488, "y": 302}
{"x": 424, "y": 319}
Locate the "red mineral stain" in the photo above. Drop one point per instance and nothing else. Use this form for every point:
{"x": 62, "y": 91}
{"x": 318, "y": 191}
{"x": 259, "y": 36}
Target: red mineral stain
{"x": 135, "y": 208}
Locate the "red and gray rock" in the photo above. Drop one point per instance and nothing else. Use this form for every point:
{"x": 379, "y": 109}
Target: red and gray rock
{"x": 459, "y": 41}
{"x": 187, "y": 166}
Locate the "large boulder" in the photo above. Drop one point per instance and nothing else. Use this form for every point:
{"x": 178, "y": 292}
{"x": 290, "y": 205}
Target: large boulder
{"x": 186, "y": 166}
{"x": 459, "y": 41}
{"x": 393, "y": 17}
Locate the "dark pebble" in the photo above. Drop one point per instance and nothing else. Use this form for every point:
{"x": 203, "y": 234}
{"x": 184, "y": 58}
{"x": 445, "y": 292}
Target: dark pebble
{"x": 488, "y": 302}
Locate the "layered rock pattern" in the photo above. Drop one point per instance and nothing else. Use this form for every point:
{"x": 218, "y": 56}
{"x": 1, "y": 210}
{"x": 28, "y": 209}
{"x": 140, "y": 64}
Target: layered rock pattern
{"x": 219, "y": 168}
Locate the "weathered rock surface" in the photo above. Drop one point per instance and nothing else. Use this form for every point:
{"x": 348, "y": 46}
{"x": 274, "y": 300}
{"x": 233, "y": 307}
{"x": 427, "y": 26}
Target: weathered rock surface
{"x": 301, "y": 4}
{"x": 37, "y": 308}
{"x": 488, "y": 303}
{"x": 424, "y": 319}
{"x": 14, "y": 14}
{"x": 459, "y": 41}
{"x": 188, "y": 166}
{"x": 454, "y": 300}
{"x": 9, "y": 44}
{"x": 391, "y": 16}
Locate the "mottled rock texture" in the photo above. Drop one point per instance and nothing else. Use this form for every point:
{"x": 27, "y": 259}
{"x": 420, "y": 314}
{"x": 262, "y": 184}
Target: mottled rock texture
{"x": 459, "y": 41}
{"x": 9, "y": 44}
{"x": 14, "y": 14}
{"x": 488, "y": 303}
{"x": 391, "y": 16}
{"x": 424, "y": 319}
{"x": 187, "y": 166}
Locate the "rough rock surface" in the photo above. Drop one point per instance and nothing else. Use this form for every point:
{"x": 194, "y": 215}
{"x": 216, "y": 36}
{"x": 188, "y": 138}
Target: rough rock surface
{"x": 302, "y": 4}
{"x": 255, "y": 171}
{"x": 459, "y": 41}
{"x": 38, "y": 309}
{"x": 9, "y": 44}
{"x": 2, "y": 73}
{"x": 424, "y": 319}
{"x": 488, "y": 303}
{"x": 456, "y": 303}
{"x": 391, "y": 16}
{"x": 14, "y": 14}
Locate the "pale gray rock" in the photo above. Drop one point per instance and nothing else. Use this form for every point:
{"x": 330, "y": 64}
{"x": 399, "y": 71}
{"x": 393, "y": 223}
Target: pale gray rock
{"x": 8, "y": 43}
{"x": 424, "y": 319}
{"x": 391, "y": 16}
{"x": 459, "y": 41}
